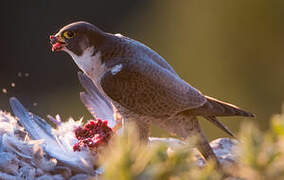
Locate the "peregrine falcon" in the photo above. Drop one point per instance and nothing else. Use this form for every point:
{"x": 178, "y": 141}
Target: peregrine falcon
{"x": 141, "y": 85}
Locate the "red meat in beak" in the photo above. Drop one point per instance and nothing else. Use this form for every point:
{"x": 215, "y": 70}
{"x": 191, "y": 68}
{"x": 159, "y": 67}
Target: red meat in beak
{"x": 57, "y": 44}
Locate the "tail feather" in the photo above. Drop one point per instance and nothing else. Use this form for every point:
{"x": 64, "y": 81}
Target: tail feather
{"x": 214, "y": 107}
{"x": 220, "y": 125}
{"x": 219, "y": 108}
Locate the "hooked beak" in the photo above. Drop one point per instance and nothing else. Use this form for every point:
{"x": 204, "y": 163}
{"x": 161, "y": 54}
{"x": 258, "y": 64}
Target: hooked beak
{"x": 57, "y": 43}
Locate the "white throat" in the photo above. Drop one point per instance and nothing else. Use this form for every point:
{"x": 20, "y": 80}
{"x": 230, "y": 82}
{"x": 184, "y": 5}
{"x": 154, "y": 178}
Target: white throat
{"x": 89, "y": 63}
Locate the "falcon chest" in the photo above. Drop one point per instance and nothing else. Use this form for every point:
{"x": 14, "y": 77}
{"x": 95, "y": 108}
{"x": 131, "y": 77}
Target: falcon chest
{"x": 91, "y": 65}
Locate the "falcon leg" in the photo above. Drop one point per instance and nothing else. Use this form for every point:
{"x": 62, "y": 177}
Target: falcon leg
{"x": 118, "y": 119}
{"x": 202, "y": 142}
{"x": 188, "y": 126}
{"x": 144, "y": 131}
{"x": 142, "y": 127}
{"x": 205, "y": 148}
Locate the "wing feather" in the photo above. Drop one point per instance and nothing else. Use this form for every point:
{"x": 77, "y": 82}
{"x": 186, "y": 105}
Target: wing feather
{"x": 146, "y": 88}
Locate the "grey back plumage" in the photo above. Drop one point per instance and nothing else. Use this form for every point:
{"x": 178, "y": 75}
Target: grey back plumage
{"x": 146, "y": 89}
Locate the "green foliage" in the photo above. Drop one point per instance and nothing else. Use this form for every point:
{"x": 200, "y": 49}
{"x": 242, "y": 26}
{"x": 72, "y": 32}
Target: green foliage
{"x": 262, "y": 153}
{"x": 261, "y": 156}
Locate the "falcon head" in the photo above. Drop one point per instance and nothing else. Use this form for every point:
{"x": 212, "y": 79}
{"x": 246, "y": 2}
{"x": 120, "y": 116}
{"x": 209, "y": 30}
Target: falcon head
{"x": 76, "y": 38}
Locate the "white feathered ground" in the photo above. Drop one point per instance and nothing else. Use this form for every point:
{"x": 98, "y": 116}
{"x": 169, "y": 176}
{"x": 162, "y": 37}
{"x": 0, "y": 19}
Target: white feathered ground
{"x": 31, "y": 149}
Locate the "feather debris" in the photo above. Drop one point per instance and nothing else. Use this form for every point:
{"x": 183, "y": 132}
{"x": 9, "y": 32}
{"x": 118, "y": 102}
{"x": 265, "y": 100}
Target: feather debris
{"x": 43, "y": 149}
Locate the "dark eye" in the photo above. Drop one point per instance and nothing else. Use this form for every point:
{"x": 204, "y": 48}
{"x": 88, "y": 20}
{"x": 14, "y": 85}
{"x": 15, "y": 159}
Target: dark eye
{"x": 68, "y": 34}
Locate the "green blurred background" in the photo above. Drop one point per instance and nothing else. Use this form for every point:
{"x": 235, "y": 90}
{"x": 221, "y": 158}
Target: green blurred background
{"x": 230, "y": 50}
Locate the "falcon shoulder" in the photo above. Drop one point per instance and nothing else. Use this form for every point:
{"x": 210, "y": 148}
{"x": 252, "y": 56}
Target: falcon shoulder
{"x": 146, "y": 88}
